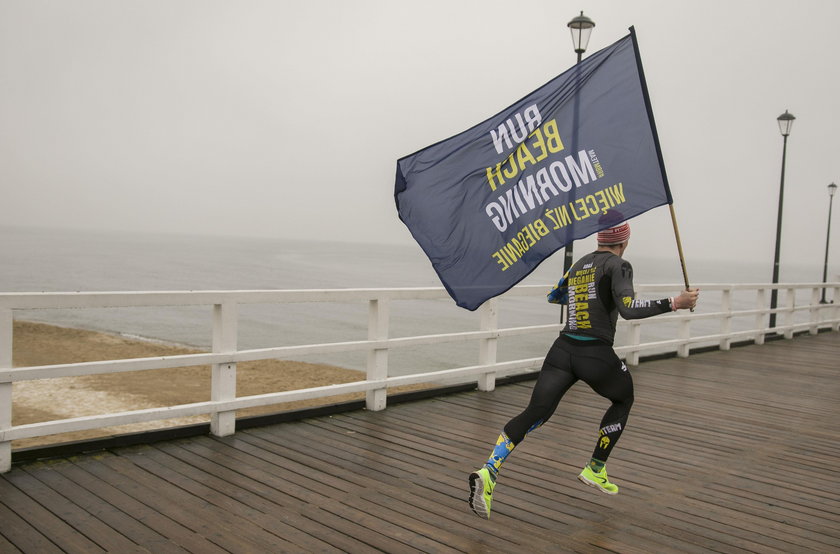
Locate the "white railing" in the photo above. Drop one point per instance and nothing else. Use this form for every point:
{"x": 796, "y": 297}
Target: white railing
{"x": 809, "y": 315}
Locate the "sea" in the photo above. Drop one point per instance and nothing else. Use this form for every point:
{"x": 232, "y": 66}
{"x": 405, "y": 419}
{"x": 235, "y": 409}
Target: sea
{"x": 50, "y": 260}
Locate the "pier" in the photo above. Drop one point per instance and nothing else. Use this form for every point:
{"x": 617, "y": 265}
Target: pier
{"x": 725, "y": 451}
{"x": 731, "y": 445}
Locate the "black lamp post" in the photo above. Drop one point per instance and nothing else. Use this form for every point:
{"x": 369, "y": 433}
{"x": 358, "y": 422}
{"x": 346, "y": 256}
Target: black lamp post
{"x": 785, "y": 123}
{"x": 832, "y": 188}
{"x": 581, "y": 27}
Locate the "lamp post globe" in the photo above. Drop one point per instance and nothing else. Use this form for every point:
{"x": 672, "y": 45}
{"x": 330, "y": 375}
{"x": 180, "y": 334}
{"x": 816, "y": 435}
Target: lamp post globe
{"x": 785, "y": 123}
{"x": 581, "y": 27}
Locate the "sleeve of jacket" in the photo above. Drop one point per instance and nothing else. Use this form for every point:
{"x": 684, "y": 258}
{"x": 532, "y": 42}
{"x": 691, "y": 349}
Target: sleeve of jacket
{"x": 624, "y": 296}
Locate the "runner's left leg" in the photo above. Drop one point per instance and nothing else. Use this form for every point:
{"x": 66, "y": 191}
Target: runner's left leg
{"x": 554, "y": 380}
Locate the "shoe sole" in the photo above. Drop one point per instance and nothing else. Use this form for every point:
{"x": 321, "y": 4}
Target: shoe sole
{"x": 586, "y": 481}
{"x": 477, "y": 496}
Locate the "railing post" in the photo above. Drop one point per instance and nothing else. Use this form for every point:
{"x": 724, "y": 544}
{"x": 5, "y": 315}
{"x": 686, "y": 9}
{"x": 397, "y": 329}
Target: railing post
{"x": 835, "y": 298}
{"x": 223, "y": 384}
{"x": 377, "y": 363}
{"x": 726, "y": 322}
{"x": 815, "y": 312}
{"x": 488, "y": 347}
{"x": 760, "y": 304}
{"x": 6, "y": 326}
{"x": 791, "y": 303}
{"x": 685, "y": 334}
{"x": 635, "y": 338}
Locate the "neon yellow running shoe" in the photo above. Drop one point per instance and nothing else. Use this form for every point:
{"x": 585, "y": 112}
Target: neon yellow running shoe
{"x": 598, "y": 480}
{"x": 481, "y": 492}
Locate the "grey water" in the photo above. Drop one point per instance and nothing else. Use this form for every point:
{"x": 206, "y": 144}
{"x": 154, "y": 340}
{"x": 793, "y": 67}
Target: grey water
{"x": 45, "y": 260}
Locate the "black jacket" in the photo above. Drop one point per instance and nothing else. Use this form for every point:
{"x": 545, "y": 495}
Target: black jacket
{"x": 601, "y": 287}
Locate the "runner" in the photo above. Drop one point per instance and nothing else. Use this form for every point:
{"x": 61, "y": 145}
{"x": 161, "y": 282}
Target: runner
{"x": 600, "y": 286}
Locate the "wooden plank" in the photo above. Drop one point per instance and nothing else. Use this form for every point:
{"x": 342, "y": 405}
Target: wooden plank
{"x": 15, "y": 489}
{"x": 706, "y": 528}
{"x": 756, "y": 530}
{"x": 300, "y": 486}
{"x": 267, "y": 520}
{"x": 80, "y": 520}
{"x": 826, "y": 522}
{"x": 311, "y": 504}
{"x": 805, "y": 526}
{"x": 5, "y": 546}
{"x": 122, "y": 523}
{"x": 218, "y": 487}
{"x": 18, "y": 532}
{"x": 176, "y": 535}
{"x": 226, "y": 530}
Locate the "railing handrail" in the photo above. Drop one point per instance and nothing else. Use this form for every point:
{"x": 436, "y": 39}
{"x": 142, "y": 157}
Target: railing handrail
{"x": 225, "y": 353}
{"x": 120, "y": 299}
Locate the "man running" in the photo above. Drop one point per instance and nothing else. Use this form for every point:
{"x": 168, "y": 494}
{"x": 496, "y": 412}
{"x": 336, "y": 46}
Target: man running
{"x": 600, "y": 286}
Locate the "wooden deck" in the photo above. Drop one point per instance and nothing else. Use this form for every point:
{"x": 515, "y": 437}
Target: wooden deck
{"x": 724, "y": 452}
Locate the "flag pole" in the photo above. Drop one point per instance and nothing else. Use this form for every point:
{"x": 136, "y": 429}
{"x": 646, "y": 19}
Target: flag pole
{"x": 679, "y": 245}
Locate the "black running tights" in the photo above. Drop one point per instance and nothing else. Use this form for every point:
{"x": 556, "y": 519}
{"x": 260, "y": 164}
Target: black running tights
{"x": 568, "y": 361}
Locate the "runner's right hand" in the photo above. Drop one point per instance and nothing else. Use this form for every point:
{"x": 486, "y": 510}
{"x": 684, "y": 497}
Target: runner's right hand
{"x": 687, "y": 299}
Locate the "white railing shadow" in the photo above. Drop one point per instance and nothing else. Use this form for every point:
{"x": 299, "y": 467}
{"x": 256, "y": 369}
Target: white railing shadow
{"x": 225, "y": 354}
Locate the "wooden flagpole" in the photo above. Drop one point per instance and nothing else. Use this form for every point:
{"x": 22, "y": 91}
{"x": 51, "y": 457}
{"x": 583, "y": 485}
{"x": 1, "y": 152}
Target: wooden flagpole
{"x": 679, "y": 246}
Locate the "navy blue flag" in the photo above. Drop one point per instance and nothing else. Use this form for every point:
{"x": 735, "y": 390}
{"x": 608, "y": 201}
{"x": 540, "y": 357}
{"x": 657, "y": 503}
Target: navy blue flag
{"x": 577, "y": 155}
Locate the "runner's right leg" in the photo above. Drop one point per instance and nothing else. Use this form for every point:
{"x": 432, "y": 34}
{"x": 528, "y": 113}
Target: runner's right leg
{"x": 602, "y": 370}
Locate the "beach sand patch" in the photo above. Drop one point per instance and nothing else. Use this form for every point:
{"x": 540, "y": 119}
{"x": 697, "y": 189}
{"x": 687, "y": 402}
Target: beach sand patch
{"x": 37, "y": 344}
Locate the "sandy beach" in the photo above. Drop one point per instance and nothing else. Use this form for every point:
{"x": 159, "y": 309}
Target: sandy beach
{"x": 38, "y": 344}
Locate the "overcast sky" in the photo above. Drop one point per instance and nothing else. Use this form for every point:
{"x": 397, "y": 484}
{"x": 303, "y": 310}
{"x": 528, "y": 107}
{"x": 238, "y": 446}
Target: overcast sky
{"x": 285, "y": 119}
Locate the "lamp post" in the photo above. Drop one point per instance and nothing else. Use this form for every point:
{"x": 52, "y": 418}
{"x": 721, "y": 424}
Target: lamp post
{"x": 785, "y": 123}
{"x": 581, "y": 27}
{"x": 832, "y": 188}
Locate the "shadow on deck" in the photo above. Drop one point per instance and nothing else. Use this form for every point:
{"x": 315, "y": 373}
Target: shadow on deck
{"x": 724, "y": 451}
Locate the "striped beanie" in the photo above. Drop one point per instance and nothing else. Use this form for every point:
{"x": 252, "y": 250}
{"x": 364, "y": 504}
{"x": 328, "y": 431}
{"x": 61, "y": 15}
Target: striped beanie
{"x": 614, "y": 235}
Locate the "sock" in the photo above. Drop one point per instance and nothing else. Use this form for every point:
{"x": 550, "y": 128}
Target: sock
{"x": 536, "y": 425}
{"x": 596, "y": 465}
{"x": 500, "y": 453}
